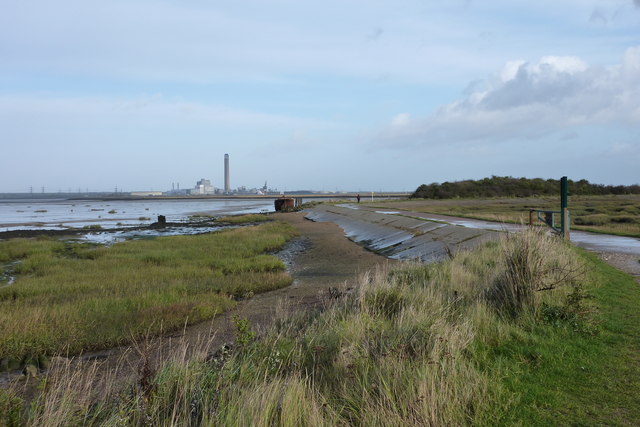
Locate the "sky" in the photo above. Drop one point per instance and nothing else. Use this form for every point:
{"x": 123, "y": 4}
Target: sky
{"x": 361, "y": 95}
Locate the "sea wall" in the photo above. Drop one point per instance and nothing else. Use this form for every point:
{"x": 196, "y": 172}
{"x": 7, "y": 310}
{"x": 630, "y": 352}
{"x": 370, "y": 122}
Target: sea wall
{"x": 398, "y": 235}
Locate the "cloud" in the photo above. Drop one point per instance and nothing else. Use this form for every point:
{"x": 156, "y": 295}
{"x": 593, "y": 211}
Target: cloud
{"x": 598, "y": 16}
{"x": 375, "y": 34}
{"x": 401, "y": 120}
{"x": 254, "y": 40}
{"x": 528, "y": 100}
{"x": 141, "y": 109}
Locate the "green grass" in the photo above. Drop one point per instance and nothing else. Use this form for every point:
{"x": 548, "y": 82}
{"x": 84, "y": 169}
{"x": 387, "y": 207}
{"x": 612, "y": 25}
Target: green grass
{"x": 73, "y": 297}
{"x": 562, "y": 377}
{"x": 615, "y": 214}
{"x": 233, "y": 219}
{"x": 442, "y": 344}
{"x": 244, "y": 219}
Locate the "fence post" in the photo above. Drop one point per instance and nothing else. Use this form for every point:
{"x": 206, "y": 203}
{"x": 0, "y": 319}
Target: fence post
{"x": 531, "y": 217}
{"x": 564, "y": 212}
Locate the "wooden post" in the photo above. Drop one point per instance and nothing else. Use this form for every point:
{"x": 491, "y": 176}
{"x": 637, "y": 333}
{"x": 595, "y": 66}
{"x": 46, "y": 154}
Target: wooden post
{"x": 532, "y": 215}
{"x": 566, "y": 222}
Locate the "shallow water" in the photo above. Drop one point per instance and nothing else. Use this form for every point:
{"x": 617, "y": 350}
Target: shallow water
{"x": 109, "y": 237}
{"x": 592, "y": 241}
{"x": 62, "y": 214}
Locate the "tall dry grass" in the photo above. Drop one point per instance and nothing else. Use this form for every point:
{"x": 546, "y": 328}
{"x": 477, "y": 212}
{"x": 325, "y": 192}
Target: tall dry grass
{"x": 399, "y": 350}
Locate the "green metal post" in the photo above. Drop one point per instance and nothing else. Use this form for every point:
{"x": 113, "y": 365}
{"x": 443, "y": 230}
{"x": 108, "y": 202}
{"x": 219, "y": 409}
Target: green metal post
{"x": 564, "y": 214}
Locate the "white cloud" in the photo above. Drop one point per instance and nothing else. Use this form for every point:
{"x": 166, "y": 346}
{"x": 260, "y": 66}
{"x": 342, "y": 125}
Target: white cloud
{"x": 401, "y": 120}
{"x": 529, "y": 100}
{"x": 252, "y": 39}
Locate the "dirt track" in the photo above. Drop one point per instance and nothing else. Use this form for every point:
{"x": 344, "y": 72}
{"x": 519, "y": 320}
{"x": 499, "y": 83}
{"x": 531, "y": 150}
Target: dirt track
{"x": 328, "y": 261}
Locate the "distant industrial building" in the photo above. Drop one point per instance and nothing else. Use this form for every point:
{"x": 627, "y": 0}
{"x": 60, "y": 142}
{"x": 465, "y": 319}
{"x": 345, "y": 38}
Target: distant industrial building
{"x": 145, "y": 193}
{"x": 203, "y": 187}
{"x": 227, "y": 183}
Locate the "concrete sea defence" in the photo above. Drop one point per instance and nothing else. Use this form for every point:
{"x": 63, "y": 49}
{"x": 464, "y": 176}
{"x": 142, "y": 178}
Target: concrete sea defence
{"x": 401, "y": 236}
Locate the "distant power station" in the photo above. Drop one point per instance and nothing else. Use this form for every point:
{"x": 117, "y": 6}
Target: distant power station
{"x": 205, "y": 187}
{"x": 227, "y": 184}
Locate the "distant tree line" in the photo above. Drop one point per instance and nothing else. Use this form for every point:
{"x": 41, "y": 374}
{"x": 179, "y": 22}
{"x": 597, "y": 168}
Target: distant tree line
{"x": 506, "y": 186}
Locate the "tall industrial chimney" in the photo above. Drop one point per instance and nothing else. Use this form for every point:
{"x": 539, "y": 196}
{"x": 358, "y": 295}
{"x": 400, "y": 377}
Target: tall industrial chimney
{"x": 227, "y": 185}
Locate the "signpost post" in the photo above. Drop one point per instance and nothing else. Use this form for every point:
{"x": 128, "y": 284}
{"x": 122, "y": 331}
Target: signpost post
{"x": 564, "y": 211}
{"x": 548, "y": 217}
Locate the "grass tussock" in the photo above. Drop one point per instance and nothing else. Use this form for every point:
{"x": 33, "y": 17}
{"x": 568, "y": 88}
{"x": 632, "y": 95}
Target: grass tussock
{"x": 70, "y": 297}
{"x": 441, "y": 344}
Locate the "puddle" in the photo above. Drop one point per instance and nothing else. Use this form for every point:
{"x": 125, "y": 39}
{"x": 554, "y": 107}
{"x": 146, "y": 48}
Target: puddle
{"x": 6, "y": 275}
{"x": 291, "y": 250}
{"x": 606, "y": 242}
{"x": 591, "y": 241}
{"x": 348, "y": 206}
{"x": 388, "y": 212}
{"x": 476, "y": 224}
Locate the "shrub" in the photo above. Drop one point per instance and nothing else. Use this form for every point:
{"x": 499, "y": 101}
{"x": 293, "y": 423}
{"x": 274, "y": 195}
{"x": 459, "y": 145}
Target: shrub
{"x": 533, "y": 263}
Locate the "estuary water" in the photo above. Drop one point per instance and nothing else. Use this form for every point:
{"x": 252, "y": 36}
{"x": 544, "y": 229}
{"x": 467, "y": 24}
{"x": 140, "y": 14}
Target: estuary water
{"x": 60, "y": 214}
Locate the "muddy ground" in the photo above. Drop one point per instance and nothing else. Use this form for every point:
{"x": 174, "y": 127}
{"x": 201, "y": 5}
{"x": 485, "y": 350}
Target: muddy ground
{"x": 319, "y": 259}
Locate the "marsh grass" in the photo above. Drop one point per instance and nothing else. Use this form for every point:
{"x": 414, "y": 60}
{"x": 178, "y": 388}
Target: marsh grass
{"x": 416, "y": 345}
{"x": 244, "y": 219}
{"x": 70, "y": 297}
{"x": 615, "y": 214}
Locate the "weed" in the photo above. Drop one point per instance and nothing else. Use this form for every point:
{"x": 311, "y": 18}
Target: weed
{"x": 11, "y": 408}
{"x": 244, "y": 334}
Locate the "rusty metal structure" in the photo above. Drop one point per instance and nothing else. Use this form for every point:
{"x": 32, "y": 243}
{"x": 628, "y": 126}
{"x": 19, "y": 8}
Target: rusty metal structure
{"x": 549, "y": 217}
{"x": 284, "y": 204}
